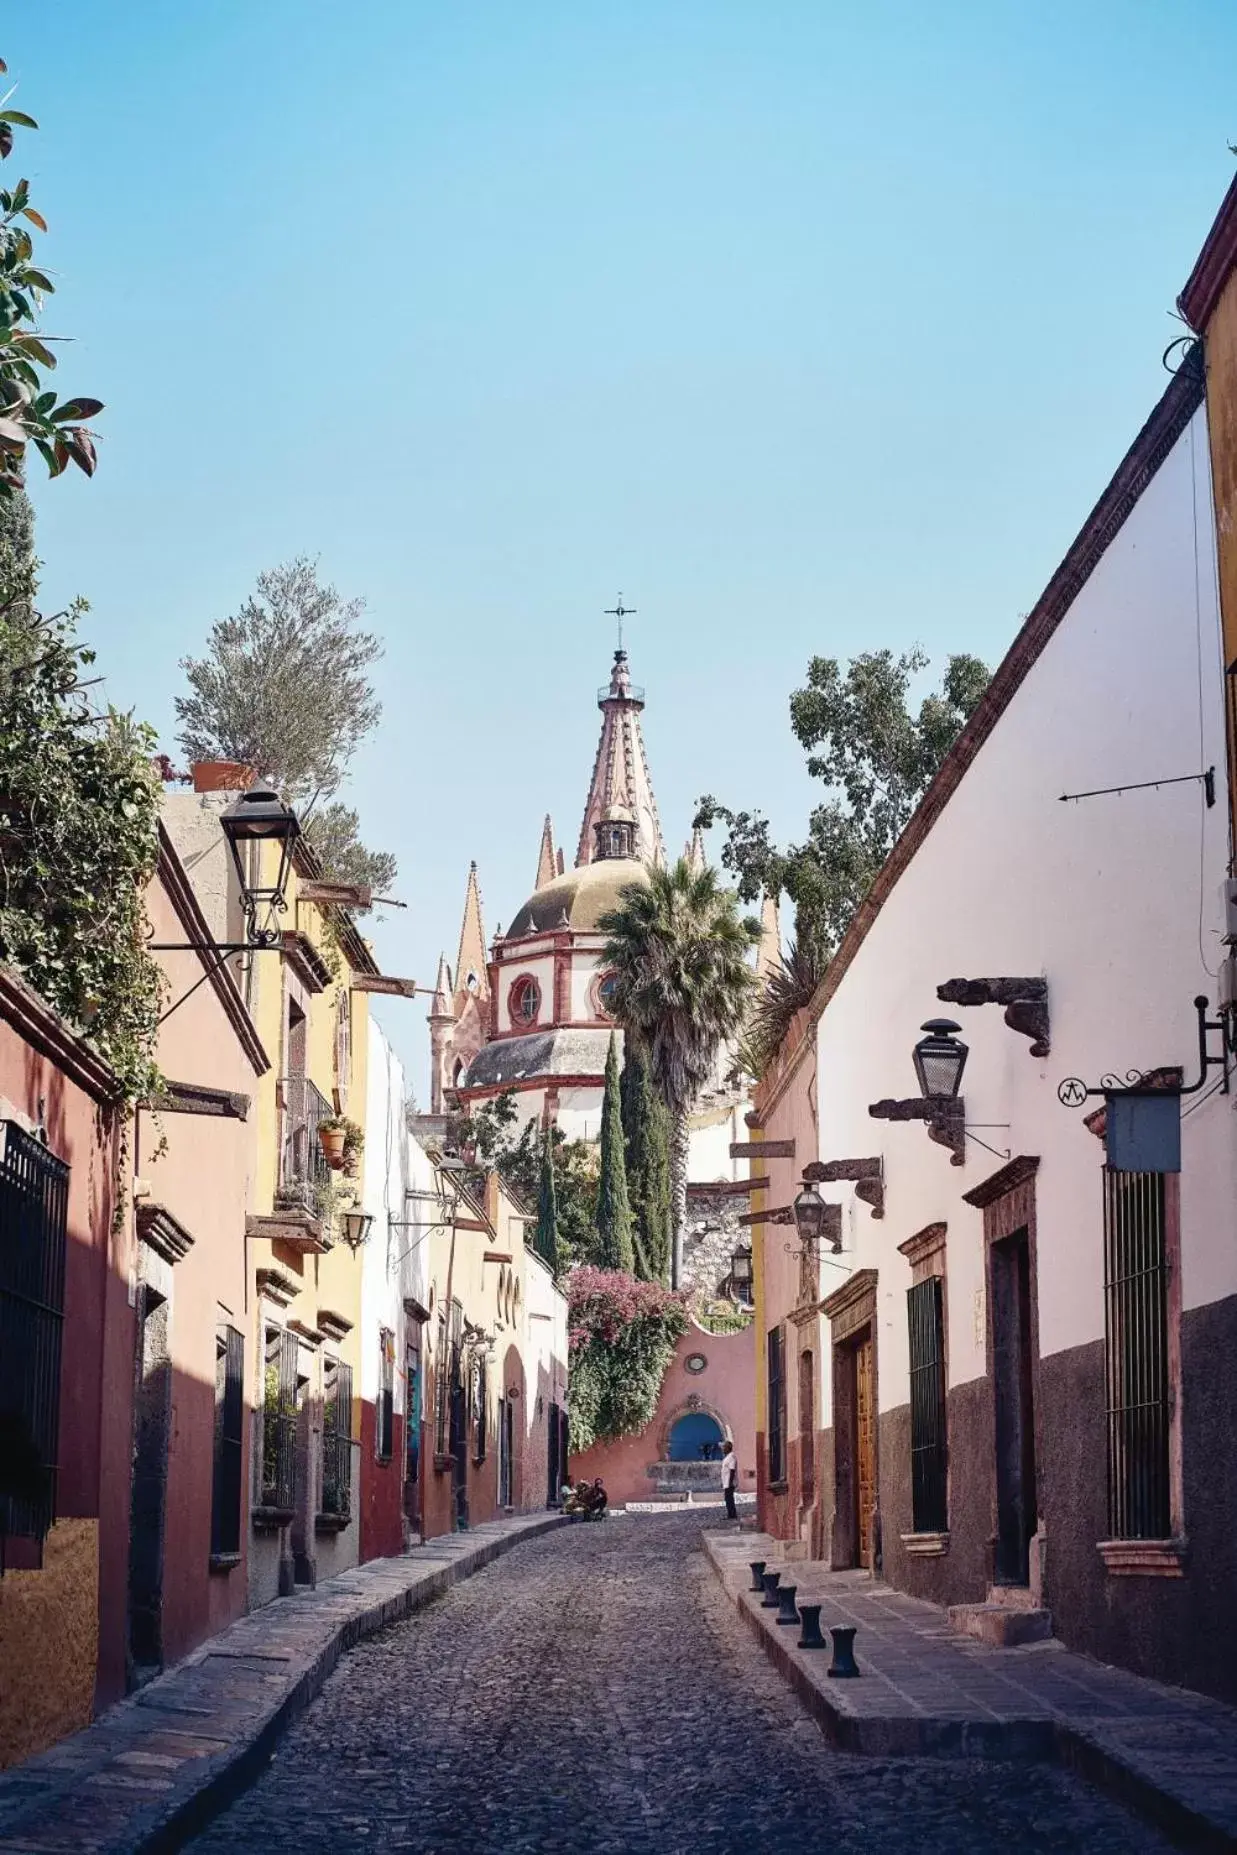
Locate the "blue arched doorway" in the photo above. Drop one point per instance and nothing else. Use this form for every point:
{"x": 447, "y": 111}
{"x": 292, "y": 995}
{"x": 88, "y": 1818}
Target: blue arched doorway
{"x": 691, "y": 1433}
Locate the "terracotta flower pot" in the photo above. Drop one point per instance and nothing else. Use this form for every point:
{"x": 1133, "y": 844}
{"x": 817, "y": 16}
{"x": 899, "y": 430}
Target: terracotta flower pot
{"x": 222, "y": 776}
{"x": 332, "y": 1139}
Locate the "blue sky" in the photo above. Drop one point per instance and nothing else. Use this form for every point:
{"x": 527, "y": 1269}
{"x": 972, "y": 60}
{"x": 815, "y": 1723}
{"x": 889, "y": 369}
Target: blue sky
{"x": 811, "y": 327}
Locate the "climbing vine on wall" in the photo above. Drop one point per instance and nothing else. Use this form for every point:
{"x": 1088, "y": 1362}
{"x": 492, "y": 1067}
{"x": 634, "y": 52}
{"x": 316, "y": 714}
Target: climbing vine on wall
{"x": 622, "y": 1335}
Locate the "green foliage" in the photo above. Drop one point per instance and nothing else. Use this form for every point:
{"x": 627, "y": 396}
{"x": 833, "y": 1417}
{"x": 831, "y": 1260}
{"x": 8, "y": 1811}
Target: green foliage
{"x": 79, "y": 807}
{"x": 546, "y": 1240}
{"x": 622, "y": 1334}
{"x": 679, "y": 952}
{"x": 876, "y": 757}
{"x": 614, "y": 1250}
{"x": 489, "y": 1132}
{"x": 29, "y": 412}
{"x": 646, "y": 1127}
{"x": 790, "y": 987}
{"x": 334, "y": 830}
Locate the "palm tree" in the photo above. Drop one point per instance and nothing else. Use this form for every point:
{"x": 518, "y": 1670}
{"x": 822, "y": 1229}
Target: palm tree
{"x": 678, "y": 949}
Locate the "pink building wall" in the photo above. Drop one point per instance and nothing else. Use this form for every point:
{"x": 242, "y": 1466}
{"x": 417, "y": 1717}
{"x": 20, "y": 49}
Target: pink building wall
{"x": 725, "y": 1389}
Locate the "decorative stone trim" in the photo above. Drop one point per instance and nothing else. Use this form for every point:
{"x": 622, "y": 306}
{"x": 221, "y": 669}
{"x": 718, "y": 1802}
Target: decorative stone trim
{"x": 1025, "y": 1002}
{"x": 194, "y": 1098}
{"x": 925, "y": 1545}
{"x": 298, "y": 1229}
{"x": 868, "y": 1176}
{"x": 224, "y": 1561}
{"x": 414, "y": 1310}
{"x": 37, "y": 1024}
{"x": 1001, "y": 1183}
{"x": 925, "y": 1251}
{"x": 271, "y": 1519}
{"x": 277, "y": 1287}
{"x": 497, "y": 1256}
{"x": 305, "y": 960}
{"x": 332, "y": 1523}
{"x": 1213, "y": 266}
{"x": 1143, "y": 1558}
{"x": 334, "y": 1326}
{"x": 312, "y": 1336}
{"x": 852, "y": 1305}
{"x": 165, "y": 1234}
{"x": 761, "y": 1149}
{"x": 782, "y": 1214}
{"x": 945, "y": 1116}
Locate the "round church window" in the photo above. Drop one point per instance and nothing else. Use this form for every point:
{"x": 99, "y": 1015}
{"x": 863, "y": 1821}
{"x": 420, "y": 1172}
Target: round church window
{"x": 607, "y": 986}
{"x": 525, "y": 1000}
{"x": 695, "y": 1362}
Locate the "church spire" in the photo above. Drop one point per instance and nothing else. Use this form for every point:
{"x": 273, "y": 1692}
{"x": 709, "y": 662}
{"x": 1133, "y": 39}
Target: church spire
{"x": 547, "y": 866}
{"x": 769, "y": 949}
{"x": 470, "y": 969}
{"x": 621, "y": 772}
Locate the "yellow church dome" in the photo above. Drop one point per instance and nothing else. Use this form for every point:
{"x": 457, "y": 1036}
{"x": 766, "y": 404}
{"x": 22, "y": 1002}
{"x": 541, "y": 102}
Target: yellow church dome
{"x": 584, "y": 895}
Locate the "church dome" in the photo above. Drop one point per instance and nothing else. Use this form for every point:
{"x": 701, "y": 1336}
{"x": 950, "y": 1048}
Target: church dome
{"x": 584, "y": 895}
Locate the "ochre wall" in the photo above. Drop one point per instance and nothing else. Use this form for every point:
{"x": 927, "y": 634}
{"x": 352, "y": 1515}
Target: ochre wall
{"x": 49, "y": 1641}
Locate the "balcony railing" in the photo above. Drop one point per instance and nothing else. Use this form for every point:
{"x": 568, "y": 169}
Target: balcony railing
{"x": 303, "y": 1170}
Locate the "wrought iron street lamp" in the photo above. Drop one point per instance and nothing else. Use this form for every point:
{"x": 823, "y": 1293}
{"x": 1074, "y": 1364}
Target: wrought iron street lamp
{"x": 741, "y": 1272}
{"x": 940, "y": 1057}
{"x": 356, "y": 1227}
{"x": 261, "y": 817}
{"x": 810, "y": 1212}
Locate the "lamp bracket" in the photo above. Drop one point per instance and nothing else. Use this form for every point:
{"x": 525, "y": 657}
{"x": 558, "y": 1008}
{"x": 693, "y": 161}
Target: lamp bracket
{"x": 944, "y": 1114}
{"x": 868, "y": 1176}
{"x": 1025, "y": 1002}
{"x": 1073, "y": 1091}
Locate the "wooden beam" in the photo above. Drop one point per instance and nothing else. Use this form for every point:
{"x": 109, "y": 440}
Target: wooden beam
{"x": 497, "y": 1256}
{"x": 383, "y": 982}
{"x": 762, "y": 1149}
{"x": 337, "y": 894}
{"x": 724, "y": 1188}
{"x": 784, "y": 1214}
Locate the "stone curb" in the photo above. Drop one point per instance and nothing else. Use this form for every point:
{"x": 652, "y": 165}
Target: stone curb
{"x": 207, "y": 1785}
{"x": 1079, "y": 1748}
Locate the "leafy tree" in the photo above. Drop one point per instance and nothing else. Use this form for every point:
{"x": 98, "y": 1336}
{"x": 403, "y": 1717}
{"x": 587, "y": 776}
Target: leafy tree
{"x": 334, "y": 830}
{"x": 790, "y": 987}
{"x": 491, "y": 1131}
{"x": 614, "y": 1250}
{"x": 647, "y": 1131}
{"x": 546, "y": 1241}
{"x": 29, "y": 412}
{"x": 877, "y": 757}
{"x": 679, "y": 948}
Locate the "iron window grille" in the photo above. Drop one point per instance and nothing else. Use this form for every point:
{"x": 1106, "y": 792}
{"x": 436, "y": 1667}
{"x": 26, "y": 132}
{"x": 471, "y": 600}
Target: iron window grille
{"x": 442, "y": 1386}
{"x": 303, "y": 1169}
{"x": 1136, "y": 1355}
{"x": 225, "y": 1517}
{"x": 385, "y": 1431}
{"x": 929, "y": 1450}
{"x": 34, "y": 1200}
{"x": 807, "y": 1421}
{"x": 480, "y": 1396}
{"x": 337, "y": 1440}
{"x": 279, "y": 1420}
{"x": 777, "y": 1404}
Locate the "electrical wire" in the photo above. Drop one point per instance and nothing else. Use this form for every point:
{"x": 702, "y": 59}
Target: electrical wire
{"x": 1205, "y": 1096}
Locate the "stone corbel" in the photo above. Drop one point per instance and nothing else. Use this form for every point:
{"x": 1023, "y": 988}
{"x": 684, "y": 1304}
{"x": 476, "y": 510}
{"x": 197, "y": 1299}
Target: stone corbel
{"x": 944, "y": 1114}
{"x": 868, "y": 1176}
{"x": 1025, "y": 1002}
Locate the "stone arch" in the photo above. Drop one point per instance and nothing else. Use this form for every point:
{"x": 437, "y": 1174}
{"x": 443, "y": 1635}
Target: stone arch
{"x": 691, "y": 1406}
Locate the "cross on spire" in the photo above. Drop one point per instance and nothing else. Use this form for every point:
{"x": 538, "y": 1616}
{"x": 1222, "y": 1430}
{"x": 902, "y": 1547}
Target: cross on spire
{"x": 620, "y": 611}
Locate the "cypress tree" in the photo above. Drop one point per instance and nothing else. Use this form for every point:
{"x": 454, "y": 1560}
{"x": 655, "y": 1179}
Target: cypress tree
{"x": 546, "y": 1241}
{"x": 647, "y": 1133}
{"x": 613, "y": 1208}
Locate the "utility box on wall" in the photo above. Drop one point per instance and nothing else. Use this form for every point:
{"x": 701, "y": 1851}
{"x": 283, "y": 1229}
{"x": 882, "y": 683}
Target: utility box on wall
{"x": 1142, "y": 1130}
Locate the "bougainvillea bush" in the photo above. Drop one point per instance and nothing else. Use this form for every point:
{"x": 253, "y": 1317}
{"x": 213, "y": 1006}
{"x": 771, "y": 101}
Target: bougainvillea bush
{"x": 622, "y": 1335}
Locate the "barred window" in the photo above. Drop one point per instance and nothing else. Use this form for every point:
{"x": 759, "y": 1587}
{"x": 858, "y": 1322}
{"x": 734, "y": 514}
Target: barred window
{"x": 442, "y": 1386}
{"x": 34, "y": 1199}
{"x": 385, "y": 1445}
{"x": 279, "y": 1420}
{"x": 807, "y": 1420}
{"x": 929, "y": 1455}
{"x": 777, "y": 1404}
{"x": 1136, "y": 1355}
{"x": 337, "y": 1439}
{"x": 225, "y": 1519}
{"x": 480, "y": 1397}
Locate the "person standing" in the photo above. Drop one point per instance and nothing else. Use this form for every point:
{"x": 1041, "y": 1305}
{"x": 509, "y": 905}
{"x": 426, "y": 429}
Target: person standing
{"x": 730, "y": 1477}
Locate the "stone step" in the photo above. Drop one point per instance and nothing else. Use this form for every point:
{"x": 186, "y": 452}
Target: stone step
{"x": 1003, "y": 1626}
{"x": 1013, "y": 1596}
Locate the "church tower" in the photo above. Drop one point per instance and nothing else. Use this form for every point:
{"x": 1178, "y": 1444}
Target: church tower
{"x": 621, "y": 773}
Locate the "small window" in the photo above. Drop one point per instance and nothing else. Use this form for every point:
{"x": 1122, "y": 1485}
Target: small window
{"x": 525, "y": 1000}
{"x": 777, "y": 1404}
{"x": 337, "y": 1439}
{"x": 225, "y": 1521}
{"x": 807, "y": 1420}
{"x": 607, "y": 990}
{"x": 1136, "y": 1355}
{"x": 279, "y": 1420}
{"x": 480, "y": 1404}
{"x": 929, "y": 1455}
{"x": 34, "y": 1196}
{"x": 385, "y": 1439}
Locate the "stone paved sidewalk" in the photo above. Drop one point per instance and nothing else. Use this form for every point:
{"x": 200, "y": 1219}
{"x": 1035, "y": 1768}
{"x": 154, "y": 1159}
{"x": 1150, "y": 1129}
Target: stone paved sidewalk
{"x": 1168, "y": 1753}
{"x": 153, "y": 1770}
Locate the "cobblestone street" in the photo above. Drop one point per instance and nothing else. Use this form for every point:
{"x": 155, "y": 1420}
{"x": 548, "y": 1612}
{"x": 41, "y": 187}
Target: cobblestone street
{"x": 596, "y": 1690}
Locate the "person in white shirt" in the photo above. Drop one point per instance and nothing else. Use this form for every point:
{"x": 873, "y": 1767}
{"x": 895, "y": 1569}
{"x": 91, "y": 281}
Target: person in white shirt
{"x": 730, "y": 1476}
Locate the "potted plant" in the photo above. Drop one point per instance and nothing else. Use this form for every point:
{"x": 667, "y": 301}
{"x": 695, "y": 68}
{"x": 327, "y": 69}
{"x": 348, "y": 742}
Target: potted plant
{"x": 332, "y": 1134}
{"x": 354, "y": 1146}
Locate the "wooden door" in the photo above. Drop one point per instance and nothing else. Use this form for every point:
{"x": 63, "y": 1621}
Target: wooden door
{"x": 865, "y": 1446}
{"x": 1016, "y": 1503}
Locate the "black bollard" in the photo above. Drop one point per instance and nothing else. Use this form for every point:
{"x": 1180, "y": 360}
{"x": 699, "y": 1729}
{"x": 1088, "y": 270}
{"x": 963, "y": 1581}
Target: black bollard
{"x": 758, "y": 1572}
{"x": 843, "y": 1666}
{"x": 811, "y": 1638}
{"x": 786, "y": 1604}
{"x": 770, "y": 1581}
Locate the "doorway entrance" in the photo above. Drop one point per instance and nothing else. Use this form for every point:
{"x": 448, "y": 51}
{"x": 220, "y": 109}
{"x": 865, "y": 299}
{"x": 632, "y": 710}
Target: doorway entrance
{"x": 854, "y": 1391}
{"x": 696, "y": 1437}
{"x": 148, "y": 1496}
{"x": 1009, "y": 1287}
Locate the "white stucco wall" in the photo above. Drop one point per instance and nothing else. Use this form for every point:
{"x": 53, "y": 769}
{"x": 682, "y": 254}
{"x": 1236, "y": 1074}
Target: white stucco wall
{"x": 395, "y": 1263}
{"x": 541, "y": 967}
{"x": 1114, "y": 899}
